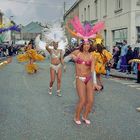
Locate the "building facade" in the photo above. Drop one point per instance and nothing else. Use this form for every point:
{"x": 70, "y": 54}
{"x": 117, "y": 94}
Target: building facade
{"x": 31, "y": 30}
{"x": 73, "y": 11}
{"x": 1, "y": 14}
{"x": 121, "y": 17}
{"x": 4, "y": 22}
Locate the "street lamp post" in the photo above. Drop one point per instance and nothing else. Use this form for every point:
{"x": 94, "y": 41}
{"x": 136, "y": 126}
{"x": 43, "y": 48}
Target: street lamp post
{"x": 12, "y": 32}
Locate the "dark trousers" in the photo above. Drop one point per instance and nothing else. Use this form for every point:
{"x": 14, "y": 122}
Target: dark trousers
{"x": 123, "y": 63}
{"x": 138, "y": 77}
{"x": 129, "y": 68}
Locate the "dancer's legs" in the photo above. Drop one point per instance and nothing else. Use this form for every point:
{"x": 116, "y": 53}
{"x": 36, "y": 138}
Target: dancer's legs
{"x": 89, "y": 99}
{"x": 81, "y": 88}
{"x": 59, "y": 77}
{"x": 99, "y": 79}
{"x": 52, "y": 78}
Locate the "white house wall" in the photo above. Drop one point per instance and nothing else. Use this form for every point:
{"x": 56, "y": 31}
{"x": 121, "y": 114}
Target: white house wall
{"x": 7, "y": 34}
{"x": 128, "y": 18}
{"x": 137, "y": 10}
{"x": 84, "y": 4}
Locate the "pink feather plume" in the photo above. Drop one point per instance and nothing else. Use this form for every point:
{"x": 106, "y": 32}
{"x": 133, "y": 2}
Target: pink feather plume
{"x": 87, "y": 28}
{"x": 96, "y": 28}
{"x": 77, "y": 25}
{"x": 87, "y": 31}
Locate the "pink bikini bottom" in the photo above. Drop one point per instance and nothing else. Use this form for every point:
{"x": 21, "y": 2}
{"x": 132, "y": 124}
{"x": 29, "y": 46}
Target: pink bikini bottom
{"x": 84, "y": 79}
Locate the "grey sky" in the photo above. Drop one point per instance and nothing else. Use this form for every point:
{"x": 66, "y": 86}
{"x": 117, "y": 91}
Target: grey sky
{"x": 25, "y": 11}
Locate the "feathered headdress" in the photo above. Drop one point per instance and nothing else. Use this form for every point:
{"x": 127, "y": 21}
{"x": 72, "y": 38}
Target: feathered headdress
{"x": 85, "y": 32}
{"x": 55, "y": 33}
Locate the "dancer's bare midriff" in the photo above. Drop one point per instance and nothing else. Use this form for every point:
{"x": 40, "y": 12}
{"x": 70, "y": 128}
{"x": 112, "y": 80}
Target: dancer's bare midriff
{"x": 55, "y": 61}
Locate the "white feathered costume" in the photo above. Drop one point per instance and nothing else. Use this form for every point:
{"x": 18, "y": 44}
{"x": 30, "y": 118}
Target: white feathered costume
{"x": 55, "y": 33}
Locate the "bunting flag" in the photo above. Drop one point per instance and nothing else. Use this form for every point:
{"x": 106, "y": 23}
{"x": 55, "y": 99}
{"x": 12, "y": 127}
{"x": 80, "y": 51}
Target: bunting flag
{"x": 12, "y": 28}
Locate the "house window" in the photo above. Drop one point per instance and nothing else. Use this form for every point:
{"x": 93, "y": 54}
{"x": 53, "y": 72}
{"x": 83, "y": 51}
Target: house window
{"x": 119, "y": 35}
{"x": 82, "y": 18}
{"x": 88, "y": 12}
{"x": 1, "y": 17}
{"x": 138, "y": 34}
{"x": 138, "y": 2}
{"x": 105, "y": 7}
{"x": 105, "y": 37}
{"x": 96, "y": 8}
{"x": 118, "y": 5}
{"x": 85, "y": 13}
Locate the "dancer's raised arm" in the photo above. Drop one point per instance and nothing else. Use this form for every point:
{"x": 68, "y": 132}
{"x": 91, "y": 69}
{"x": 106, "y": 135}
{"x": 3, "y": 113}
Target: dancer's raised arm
{"x": 48, "y": 48}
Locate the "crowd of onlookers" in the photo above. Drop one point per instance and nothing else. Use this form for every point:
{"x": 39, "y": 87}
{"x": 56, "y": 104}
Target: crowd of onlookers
{"x": 7, "y": 49}
{"x": 122, "y": 54}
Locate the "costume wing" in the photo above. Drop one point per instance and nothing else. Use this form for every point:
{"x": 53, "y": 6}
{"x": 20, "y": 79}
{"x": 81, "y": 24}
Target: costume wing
{"x": 40, "y": 45}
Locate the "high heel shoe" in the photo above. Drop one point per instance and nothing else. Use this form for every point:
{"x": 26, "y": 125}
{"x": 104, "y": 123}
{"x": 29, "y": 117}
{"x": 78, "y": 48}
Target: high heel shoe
{"x": 59, "y": 93}
{"x": 50, "y": 90}
{"x": 86, "y": 121}
{"x": 77, "y": 122}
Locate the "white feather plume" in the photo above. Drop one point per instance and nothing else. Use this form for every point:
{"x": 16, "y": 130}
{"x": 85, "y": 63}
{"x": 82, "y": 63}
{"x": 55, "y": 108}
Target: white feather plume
{"x": 55, "y": 33}
{"x": 62, "y": 44}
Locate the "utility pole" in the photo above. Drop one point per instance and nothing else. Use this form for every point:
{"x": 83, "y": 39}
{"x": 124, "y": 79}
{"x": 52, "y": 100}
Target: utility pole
{"x": 64, "y": 11}
{"x": 64, "y": 7}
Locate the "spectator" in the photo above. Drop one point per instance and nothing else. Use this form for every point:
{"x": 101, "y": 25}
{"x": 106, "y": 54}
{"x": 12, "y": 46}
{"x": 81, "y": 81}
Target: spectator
{"x": 10, "y": 53}
{"x": 138, "y": 81}
{"x": 138, "y": 73}
{"x": 123, "y": 63}
{"x": 135, "y": 56}
{"x": 108, "y": 68}
{"x": 129, "y": 56}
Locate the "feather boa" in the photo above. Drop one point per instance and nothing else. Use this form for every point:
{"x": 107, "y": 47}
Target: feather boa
{"x": 134, "y": 60}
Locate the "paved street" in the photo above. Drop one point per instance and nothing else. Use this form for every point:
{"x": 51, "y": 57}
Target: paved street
{"x": 28, "y": 112}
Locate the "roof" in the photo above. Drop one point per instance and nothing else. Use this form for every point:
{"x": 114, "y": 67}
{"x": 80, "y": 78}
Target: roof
{"x": 33, "y": 27}
{"x": 72, "y": 7}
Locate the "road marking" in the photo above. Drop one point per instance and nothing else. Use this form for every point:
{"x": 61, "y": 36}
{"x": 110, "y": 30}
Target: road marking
{"x": 129, "y": 84}
{"x": 123, "y": 82}
{"x": 134, "y": 86}
{"x": 126, "y": 83}
{"x": 115, "y": 80}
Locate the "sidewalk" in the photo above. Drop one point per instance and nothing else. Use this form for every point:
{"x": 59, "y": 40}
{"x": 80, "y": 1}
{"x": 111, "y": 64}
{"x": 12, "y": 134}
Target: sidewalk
{"x": 116, "y": 73}
{"x": 2, "y": 58}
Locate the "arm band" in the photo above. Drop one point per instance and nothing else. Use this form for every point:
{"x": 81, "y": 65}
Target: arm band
{"x": 94, "y": 77}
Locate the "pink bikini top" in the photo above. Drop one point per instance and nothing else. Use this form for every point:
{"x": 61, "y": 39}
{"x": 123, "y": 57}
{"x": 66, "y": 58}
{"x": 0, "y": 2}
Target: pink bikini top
{"x": 80, "y": 61}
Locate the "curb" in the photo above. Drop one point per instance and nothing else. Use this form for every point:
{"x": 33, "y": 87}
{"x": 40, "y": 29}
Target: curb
{"x": 124, "y": 77}
{"x": 2, "y": 58}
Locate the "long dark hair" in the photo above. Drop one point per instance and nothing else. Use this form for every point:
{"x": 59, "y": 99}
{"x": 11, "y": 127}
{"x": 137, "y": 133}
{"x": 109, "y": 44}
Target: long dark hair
{"x": 99, "y": 48}
{"x": 82, "y": 45}
{"x": 30, "y": 43}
